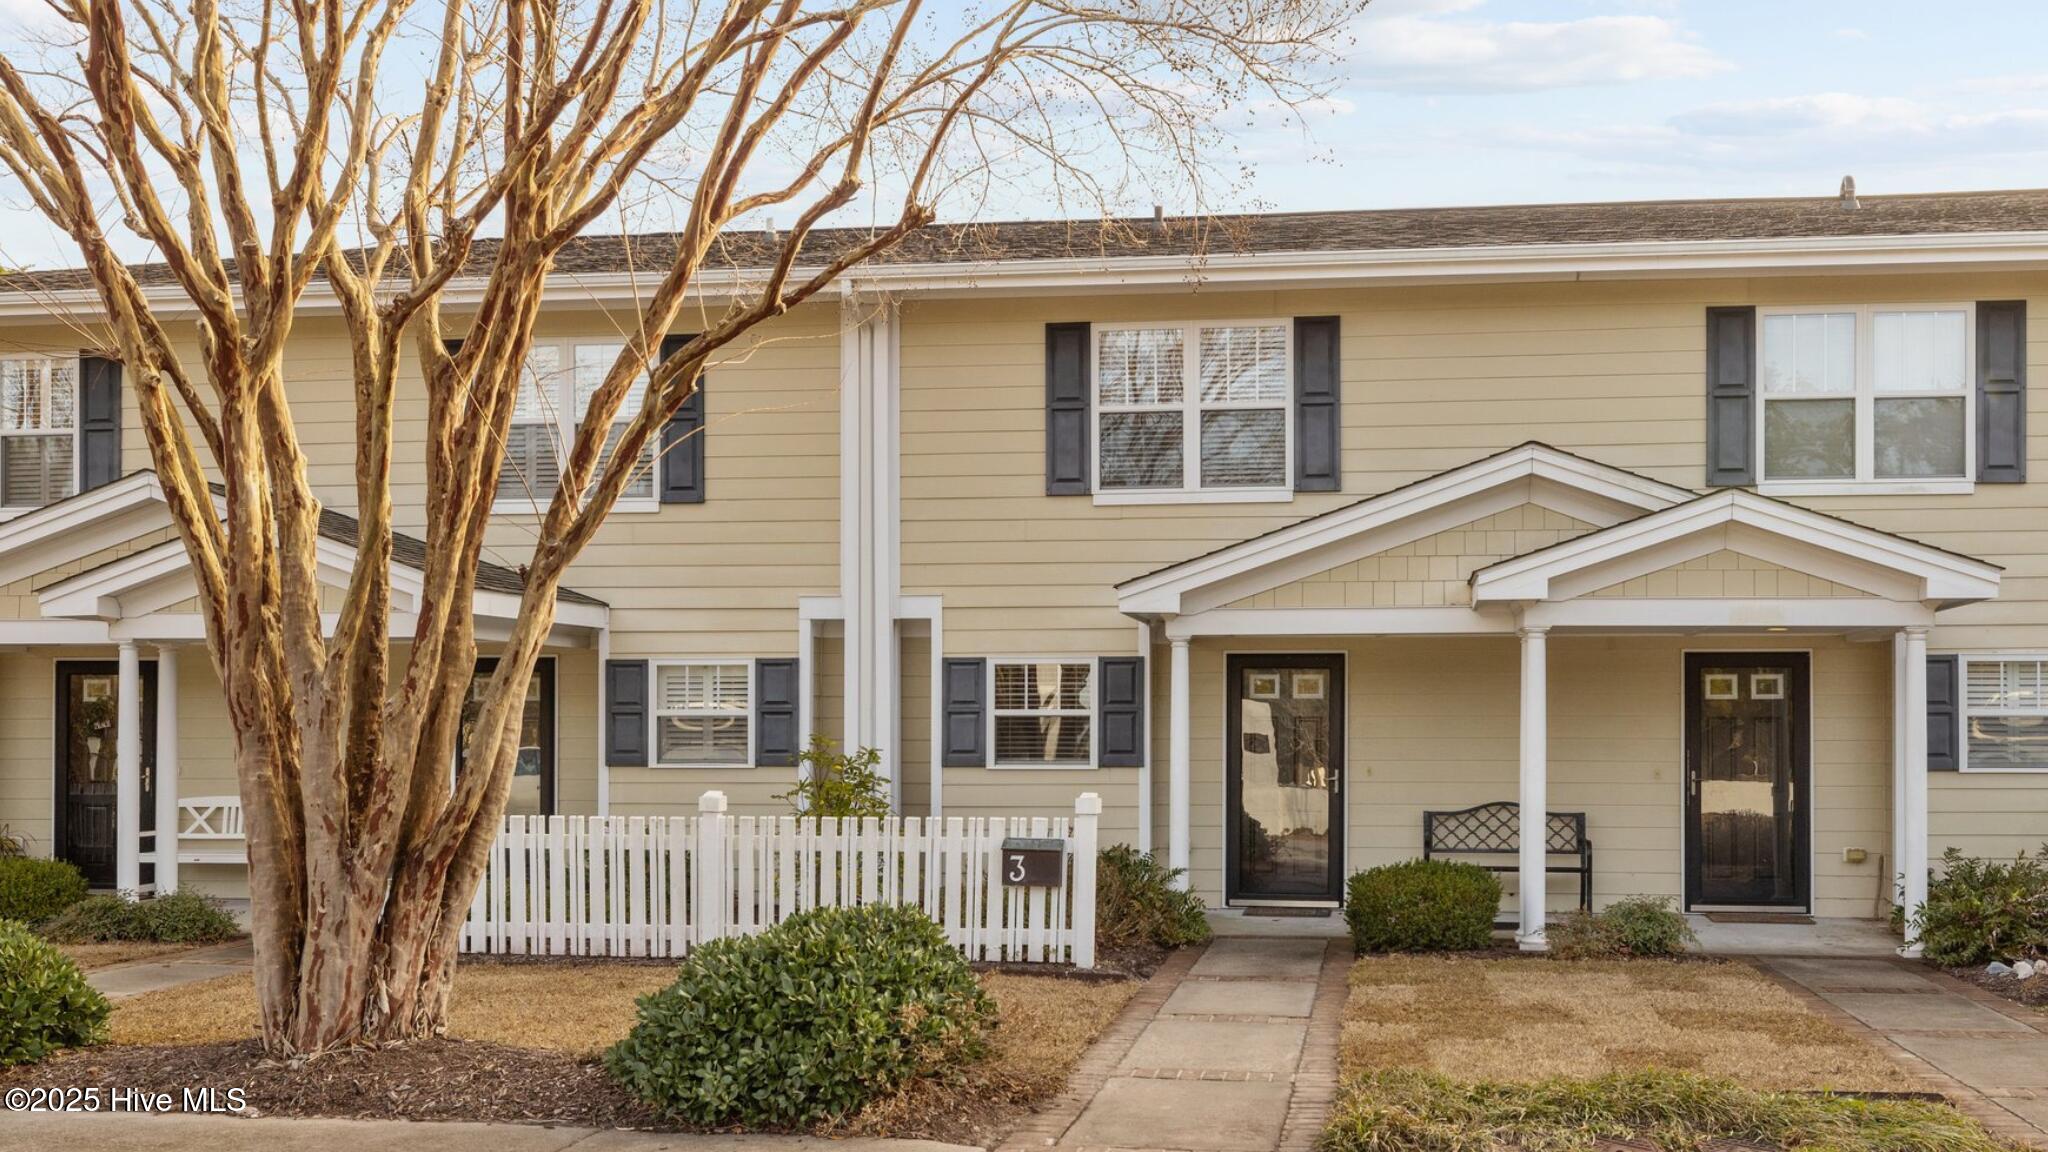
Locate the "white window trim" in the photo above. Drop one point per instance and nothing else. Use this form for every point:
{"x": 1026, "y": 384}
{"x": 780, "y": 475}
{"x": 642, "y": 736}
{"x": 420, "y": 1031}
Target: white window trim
{"x": 1963, "y": 662}
{"x": 535, "y": 506}
{"x": 1866, "y": 481}
{"x": 1191, "y": 407}
{"x": 1093, "y": 713}
{"x": 10, "y": 511}
{"x": 654, "y": 713}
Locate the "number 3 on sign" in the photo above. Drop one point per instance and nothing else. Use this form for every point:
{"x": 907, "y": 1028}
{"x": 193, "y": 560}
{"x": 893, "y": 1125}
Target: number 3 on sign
{"x": 1014, "y": 874}
{"x": 1034, "y": 862}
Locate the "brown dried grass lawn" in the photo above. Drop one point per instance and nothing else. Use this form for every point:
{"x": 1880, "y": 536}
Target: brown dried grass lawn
{"x": 91, "y": 956}
{"x": 1523, "y": 1020}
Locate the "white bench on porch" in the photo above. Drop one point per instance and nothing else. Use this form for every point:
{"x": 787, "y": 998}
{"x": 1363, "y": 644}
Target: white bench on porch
{"x": 212, "y": 825}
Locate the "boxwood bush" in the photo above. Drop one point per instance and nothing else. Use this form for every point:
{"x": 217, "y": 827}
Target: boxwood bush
{"x": 1422, "y": 906}
{"x": 45, "y": 1003}
{"x": 806, "y": 1022}
{"x": 180, "y": 918}
{"x": 1636, "y": 926}
{"x": 1983, "y": 910}
{"x": 33, "y": 888}
{"x": 1136, "y": 903}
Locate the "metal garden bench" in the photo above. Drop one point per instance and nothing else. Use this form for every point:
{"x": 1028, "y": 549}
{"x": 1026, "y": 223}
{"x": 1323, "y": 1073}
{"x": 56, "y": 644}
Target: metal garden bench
{"x": 1496, "y": 830}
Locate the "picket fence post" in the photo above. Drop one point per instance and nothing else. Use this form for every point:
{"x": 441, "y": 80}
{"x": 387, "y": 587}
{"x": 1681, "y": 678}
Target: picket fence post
{"x": 1087, "y": 811}
{"x": 712, "y": 868}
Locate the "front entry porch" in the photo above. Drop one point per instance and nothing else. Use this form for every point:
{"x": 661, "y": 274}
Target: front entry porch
{"x": 1733, "y": 689}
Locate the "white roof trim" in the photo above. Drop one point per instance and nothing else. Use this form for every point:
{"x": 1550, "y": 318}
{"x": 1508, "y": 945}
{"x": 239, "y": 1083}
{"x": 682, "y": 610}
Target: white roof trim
{"x": 1503, "y": 262}
{"x": 1531, "y": 472}
{"x": 1824, "y": 546}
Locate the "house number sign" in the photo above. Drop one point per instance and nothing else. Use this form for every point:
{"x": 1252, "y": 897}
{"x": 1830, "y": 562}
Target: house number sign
{"x": 1034, "y": 862}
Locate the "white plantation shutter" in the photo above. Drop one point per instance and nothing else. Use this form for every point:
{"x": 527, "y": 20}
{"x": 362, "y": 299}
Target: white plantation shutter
{"x": 38, "y": 431}
{"x": 2005, "y": 703}
{"x": 531, "y": 469}
{"x": 701, "y": 713}
{"x": 1044, "y": 712}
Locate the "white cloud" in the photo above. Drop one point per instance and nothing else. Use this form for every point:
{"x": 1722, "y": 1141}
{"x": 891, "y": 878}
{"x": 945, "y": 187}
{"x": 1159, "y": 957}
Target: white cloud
{"x": 1448, "y": 46}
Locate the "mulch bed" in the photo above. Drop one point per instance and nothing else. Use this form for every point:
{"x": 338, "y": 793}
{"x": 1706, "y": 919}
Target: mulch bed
{"x": 2033, "y": 993}
{"x": 421, "y": 1080}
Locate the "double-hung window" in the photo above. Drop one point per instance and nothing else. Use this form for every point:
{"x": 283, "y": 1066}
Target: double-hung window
{"x": 1044, "y": 714}
{"x": 555, "y": 387}
{"x": 38, "y": 430}
{"x": 1200, "y": 408}
{"x": 2005, "y": 713}
{"x": 701, "y": 712}
{"x": 1875, "y": 394}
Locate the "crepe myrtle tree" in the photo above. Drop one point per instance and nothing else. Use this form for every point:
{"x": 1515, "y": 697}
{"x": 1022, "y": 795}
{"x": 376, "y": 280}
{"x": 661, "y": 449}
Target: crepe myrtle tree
{"x": 379, "y": 156}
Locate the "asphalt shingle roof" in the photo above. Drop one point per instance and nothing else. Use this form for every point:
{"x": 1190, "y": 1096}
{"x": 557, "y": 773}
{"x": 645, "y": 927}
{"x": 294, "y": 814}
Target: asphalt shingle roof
{"x": 1920, "y": 214}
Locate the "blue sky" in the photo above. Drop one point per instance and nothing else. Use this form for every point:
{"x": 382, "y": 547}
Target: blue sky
{"x": 1517, "y": 101}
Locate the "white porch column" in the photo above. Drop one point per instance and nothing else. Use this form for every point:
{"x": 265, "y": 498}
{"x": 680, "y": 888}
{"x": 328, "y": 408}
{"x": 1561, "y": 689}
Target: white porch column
{"x": 166, "y": 770}
{"x": 1177, "y": 764}
{"x": 128, "y": 774}
{"x": 1535, "y": 794}
{"x": 1895, "y": 860}
{"x": 1912, "y": 800}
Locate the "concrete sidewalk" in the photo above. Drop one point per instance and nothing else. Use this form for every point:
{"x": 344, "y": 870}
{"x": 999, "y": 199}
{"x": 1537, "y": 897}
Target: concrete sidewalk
{"x": 1986, "y": 1053}
{"x": 1233, "y": 1049}
{"x": 124, "y": 980}
{"x": 101, "y": 1132}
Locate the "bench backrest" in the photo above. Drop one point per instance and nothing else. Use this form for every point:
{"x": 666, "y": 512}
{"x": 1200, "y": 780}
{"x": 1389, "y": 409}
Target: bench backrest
{"x": 210, "y": 818}
{"x": 1497, "y": 827}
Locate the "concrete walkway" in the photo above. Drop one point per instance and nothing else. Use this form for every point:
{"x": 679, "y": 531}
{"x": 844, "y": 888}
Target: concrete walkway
{"x": 1230, "y": 1049}
{"x": 1984, "y": 1052}
{"x": 104, "y": 1132}
{"x": 124, "y": 980}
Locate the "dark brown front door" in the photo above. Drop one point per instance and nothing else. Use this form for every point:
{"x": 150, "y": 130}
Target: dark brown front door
{"x": 88, "y": 700}
{"x": 1748, "y": 777}
{"x": 1285, "y": 834}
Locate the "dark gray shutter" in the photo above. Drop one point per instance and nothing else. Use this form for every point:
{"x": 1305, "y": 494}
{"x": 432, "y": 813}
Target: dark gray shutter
{"x": 775, "y": 693}
{"x": 1120, "y": 711}
{"x": 1067, "y": 397}
{"x": 1944, "y": 713}
{"x": 1318, "y": 406}
{"x": 99, "y": 422}
{"x": 2002, "y": 391}
{"x": 682, "y": 441}
{"x": 966, "y": 708}
{"x": 1731, "y": 397}
{"x": 625, "y": 713}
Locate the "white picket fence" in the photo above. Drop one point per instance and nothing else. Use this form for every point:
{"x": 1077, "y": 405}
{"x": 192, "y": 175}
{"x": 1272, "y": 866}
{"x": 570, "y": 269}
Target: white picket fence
{"x": 657, "y": 886}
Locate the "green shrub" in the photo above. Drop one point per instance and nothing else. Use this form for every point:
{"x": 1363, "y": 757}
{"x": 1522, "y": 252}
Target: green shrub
{"x": 1637, "y": 926}
{"x": 45, "y": 1003}
{"x": 806, "y": 1022}
{"x": 1983, "y": 910}
{"x": 33, "y": 888}
{"x": 1422, "y": 906}
{"x": 180, "y": 918}
{"x": 1136, "y": 903}
{"x": 1403, "y": 1110}
{"x": 833, "y": 784}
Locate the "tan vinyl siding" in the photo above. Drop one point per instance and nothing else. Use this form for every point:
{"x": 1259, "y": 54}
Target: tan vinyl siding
{"x": 914, "y": 723}
{"x": 1728, "y": 575}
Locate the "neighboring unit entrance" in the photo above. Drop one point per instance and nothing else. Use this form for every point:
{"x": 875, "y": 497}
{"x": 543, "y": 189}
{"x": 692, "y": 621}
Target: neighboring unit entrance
{"x": 1285, "y": 828}
{"x": 1748, "y": 773}
{"x": 88, "y": 719}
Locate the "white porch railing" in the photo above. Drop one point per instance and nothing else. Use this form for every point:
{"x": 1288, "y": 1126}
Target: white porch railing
{"x": 657, "y": 886}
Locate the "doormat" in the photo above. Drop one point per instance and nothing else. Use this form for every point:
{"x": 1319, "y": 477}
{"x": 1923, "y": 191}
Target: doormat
{"x": 1758, "y": 918}
{"x": 1311, "y": 913}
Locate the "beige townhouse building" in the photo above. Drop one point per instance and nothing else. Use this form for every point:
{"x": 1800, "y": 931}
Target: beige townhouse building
{"x": 1712, "y": 534}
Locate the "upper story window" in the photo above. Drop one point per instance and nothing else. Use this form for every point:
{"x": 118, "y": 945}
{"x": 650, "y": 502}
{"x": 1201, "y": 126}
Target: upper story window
{"x": 38, "y": 430}
{"x": 2005, "y": 714}
{"x": 1201, "y": 407}
{"x": 1874, "y": 394}
{"x": 555, "y": 388}
{"x": 1044, "y": 714}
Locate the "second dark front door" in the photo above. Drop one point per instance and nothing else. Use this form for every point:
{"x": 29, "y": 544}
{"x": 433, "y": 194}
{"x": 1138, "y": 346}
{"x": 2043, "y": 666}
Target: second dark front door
{"x": 1285, "y": 827}
{"x": 88, "y": 725}
{"x": 1748, "y": 773}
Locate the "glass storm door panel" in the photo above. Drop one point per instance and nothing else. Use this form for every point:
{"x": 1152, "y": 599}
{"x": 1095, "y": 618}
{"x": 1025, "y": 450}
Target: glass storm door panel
{"x": 1746, "y": 782}
{"x": 88, "y": 717}
{"x": 533, "y": 773}
{"x": 1286, "y": 762}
